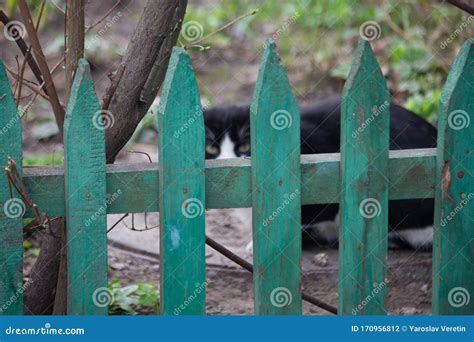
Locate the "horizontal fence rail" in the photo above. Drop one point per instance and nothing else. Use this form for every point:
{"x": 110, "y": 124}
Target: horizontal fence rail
{"x": 182, "y": 185}
{"x": 229, "y": 182}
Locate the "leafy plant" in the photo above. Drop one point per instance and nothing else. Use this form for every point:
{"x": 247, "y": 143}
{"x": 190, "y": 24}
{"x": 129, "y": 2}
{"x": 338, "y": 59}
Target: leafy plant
{"x": 131, "y": 298}
{"x": 321, "y": 35}
{"x": 51, "y": 159}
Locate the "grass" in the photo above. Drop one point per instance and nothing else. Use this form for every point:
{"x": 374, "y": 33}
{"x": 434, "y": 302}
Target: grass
{"x": 411, "y": 47}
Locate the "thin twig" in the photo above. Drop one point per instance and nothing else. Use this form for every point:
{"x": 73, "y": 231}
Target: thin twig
{"x": 88, "y": 28}
{"x": 23, "y": 65}
{"x": 40, "y": 14}
{"x": 232, "y": 22}
{"x": 24, "y": 48}
{"x": 42, "y": 64}
{"x": 31, "y": 85}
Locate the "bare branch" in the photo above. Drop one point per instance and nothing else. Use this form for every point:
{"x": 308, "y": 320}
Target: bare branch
{"x": 24, "y": 50}
{"x": 74, "y": 39}
{"x": 38, "y": 52}
{"x": 145, "y": 63}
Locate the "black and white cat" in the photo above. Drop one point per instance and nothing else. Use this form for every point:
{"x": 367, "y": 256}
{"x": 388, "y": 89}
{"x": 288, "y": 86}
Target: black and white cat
{"x": 410, "y": 221}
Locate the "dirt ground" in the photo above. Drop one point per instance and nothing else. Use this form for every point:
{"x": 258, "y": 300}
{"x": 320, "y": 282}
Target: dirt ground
{"x": 229, "y": 290}
{"x": 227, "y": 77}
{"x": 134, "y": 257}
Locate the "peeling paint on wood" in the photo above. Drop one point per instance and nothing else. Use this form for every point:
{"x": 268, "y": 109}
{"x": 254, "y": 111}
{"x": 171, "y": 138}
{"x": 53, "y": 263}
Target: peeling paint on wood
{"x": 11, "y": 211}
{"x": 275, "y": 136}
{"x": 364, "y": 188}
{"x": 181, "y": 191}
{"x": 85, "y": 198}
{"x": 453, "y": 253}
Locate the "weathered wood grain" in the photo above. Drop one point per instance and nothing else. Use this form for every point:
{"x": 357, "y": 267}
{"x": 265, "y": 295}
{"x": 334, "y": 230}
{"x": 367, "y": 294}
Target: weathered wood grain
{"x": 85, "y": 199}
{"x": 181, "y": 191}
{"x": 364, "y": 187}
{"x": 276, "y": 191}
{"x": 12, "y": 209}
{"x": 453, "y": 254}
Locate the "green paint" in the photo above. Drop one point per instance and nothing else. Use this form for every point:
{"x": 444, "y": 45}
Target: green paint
{"x": 181, "y": 191}
{"x": 364, "y": 185}
{"x": 11, "y": 233}
{"x": 85, "y": 198}
{"x": 228, "y": 182}
{"x": 453, "y": 254}
{"x": 276, "y": 182}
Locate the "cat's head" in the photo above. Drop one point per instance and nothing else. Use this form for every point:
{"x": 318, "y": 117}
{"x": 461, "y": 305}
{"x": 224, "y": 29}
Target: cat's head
{"x": 227, "y": 132}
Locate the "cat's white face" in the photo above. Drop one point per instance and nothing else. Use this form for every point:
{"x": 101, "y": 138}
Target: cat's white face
{"x": 227, "y": 132}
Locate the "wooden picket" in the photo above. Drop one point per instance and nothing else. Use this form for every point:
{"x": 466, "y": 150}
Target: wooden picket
{"x": 181, "y": 191}
{"x": 85, "y": 197}
{"x": 11, "y": 222}
{"x": 453, "y": 254}
{"x": 275, "y": 182}
{"x": 364, "y": 187}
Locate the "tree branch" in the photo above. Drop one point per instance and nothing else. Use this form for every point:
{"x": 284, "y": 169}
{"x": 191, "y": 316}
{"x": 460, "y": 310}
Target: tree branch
{"x": 24, "y": 50}
{"x": 43, "y": 66}
{"x": 469, "y": 8}
{"x": 144, "y": 63}
{"x": 74, "y": 39}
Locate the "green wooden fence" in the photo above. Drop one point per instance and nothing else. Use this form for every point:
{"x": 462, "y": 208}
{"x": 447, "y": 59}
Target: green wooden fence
{"x": 275, "y": 182}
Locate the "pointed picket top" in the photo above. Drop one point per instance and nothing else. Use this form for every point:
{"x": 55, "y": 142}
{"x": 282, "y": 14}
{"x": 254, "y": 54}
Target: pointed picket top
{"x": 181, "y": 191}
{"x": 272, "y": 77}
{"x": 83, "y": 99}
{"x": 365, "y": 131}
{"x": 461, "y": 67}
{"x": 364, "y": 68}
{"x": 275, "y": 141}
{"x": 12, "y": 209}
{"x": 179, "y": 65}
{"x": 86, "y": 195}
{"x": 453, "y": 252}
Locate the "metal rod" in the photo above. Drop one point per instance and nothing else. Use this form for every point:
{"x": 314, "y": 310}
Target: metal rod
{"x": 248, "y": 266}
